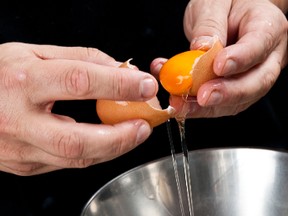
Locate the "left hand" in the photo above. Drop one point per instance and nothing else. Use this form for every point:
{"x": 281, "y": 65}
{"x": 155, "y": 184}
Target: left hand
{"x": 254, "y": 34}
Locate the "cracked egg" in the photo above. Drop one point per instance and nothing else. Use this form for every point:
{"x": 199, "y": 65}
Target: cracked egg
{"x": 184, "y": 73}
{"x": 113, "y": 112}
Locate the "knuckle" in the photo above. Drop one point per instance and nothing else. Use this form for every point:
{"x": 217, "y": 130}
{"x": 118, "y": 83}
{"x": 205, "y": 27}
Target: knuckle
{"x": 92, "y": 52}
{"x": 121, "y": 146}
{"x": 209, "y": 25}
{"x": 68, "y": 145}
{"x": 77, "y": 82}
{"x": 270, "y": 78}
{"x": 13, "y": 77}
{"x": 120, "y": 87}
{"x": 81, "y": 163}
{"x": 26, "y": 169}
{"x": 117, "y": 148}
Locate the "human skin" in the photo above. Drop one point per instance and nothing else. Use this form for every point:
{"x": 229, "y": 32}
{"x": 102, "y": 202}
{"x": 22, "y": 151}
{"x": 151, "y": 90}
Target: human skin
{"x": 254, "y": 36}
{"x": 34, "y": 140}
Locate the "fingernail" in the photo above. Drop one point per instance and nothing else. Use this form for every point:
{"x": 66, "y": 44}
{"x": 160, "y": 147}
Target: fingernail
{"x": 229, "y": 67}
{"x": 143, "y": 133}
{"x": 215, "y": 98}
{"x": 147, "y": 88}
{"x": 159, "y": 66}
{"x": 203, "y": 42}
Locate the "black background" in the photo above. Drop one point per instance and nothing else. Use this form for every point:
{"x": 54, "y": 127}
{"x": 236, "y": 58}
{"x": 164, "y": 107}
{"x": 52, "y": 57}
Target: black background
{"x": 142, "y": 30}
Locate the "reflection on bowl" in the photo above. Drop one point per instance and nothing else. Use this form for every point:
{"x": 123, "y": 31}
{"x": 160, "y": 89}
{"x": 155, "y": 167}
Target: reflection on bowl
{"x": 225, "y": 182}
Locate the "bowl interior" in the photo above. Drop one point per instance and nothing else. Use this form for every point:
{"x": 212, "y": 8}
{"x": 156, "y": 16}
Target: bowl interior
{"x": 225, "y": 182}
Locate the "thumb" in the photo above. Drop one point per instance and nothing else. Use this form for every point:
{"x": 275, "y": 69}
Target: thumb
{"x": 206, "y": 18}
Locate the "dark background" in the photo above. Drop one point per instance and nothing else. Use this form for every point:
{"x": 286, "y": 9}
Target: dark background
{"x": 142, "y": 30}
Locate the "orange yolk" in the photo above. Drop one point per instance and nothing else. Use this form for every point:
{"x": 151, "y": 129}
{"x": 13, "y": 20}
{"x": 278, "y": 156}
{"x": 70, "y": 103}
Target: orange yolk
{"x": 176, "y": 74}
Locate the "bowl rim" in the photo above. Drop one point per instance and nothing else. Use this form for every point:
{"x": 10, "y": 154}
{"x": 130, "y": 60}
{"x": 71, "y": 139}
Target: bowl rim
{"x": 150, "y": 163}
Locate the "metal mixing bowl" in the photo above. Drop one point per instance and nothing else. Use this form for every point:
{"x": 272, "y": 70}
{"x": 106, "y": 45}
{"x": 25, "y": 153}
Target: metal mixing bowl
{"x": 225, "y": 182}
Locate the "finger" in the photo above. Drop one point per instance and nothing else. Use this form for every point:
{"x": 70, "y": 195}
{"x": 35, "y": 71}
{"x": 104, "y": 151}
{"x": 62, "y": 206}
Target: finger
{"x": 25, "y": 159}
{"x": 241, "y": 89}
{"x": 190, "y": 108}
{"x": 231, "y": 95}
{"x": 260, "y": 30}
{"x": 87, "y": 54}
{"x": 66, "y": 79}
{"x": 182, "y": 106}
{"x": 156, "y": 66}
{"x": 28, "y": 169}
{"x": 206, "y": 18}
{"x": 194, "y": 110}
{"x": 251, "y": 49}
{"x": 73, "y": 140}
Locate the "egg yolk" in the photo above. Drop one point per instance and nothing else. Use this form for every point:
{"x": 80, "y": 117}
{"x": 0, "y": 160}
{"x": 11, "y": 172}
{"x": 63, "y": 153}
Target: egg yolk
{"x": 176, "y": 74}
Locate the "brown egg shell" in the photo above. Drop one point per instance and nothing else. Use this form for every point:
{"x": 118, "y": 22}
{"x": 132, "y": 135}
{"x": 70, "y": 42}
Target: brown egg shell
{"x": 203, "y": 68}
{"x": 113, "y": 112}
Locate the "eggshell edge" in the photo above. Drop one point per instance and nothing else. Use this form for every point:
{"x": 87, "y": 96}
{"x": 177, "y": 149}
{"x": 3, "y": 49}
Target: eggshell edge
{"x": 203, "y": 68}
{"x": 150, "y": 110}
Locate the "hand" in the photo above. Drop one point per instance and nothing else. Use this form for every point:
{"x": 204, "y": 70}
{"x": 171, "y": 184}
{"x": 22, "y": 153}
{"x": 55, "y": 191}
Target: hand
{"x": 255, "y": 36}
{"x": 32, "y": 77}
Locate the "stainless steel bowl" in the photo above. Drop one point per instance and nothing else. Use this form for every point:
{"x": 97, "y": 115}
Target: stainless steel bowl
{"x": 225, "y": 182}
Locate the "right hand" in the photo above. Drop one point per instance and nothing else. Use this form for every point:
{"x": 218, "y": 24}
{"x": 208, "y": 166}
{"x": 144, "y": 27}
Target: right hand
{"x": 34, "y": 140}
